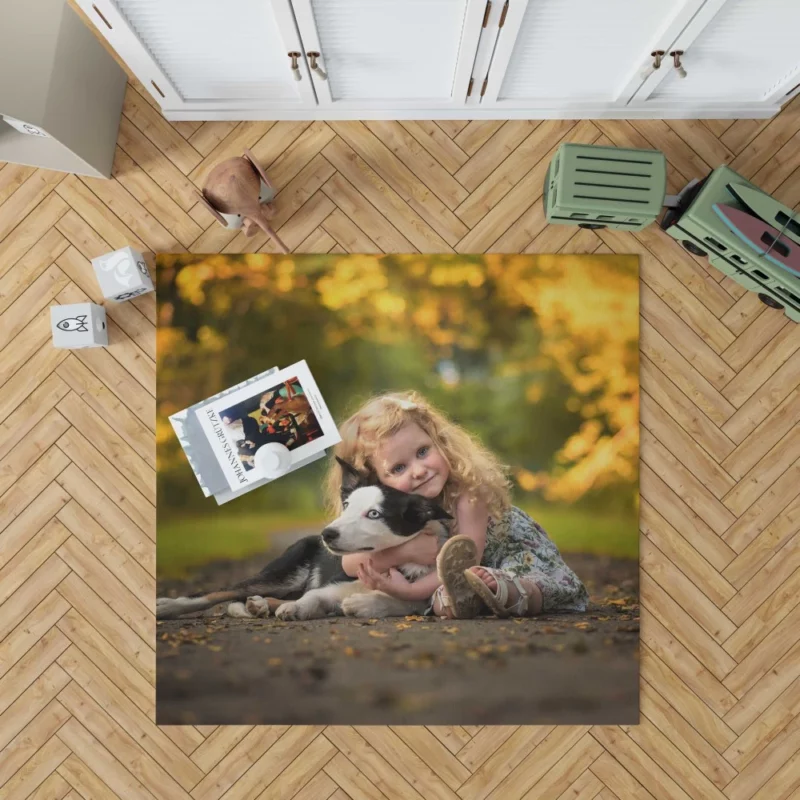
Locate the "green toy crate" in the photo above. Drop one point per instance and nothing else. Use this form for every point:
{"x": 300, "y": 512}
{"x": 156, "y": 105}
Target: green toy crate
{"x": 695, "y": 224}
{"x": 605, "y": 187}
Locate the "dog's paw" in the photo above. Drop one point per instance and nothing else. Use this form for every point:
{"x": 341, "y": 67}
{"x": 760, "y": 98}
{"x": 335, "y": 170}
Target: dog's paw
{"x": 169, "y": 607}
{"x": 289, "y": 611}
{"x": 238, "y": 610}
{"x": 361, "y": 605}
{"x": 257, "y": 606}
{"x": 296, "y": 611}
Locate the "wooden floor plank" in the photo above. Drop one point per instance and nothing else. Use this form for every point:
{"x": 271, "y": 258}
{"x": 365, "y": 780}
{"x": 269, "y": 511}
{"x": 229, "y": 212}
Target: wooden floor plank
{"x": 437, "y": 143}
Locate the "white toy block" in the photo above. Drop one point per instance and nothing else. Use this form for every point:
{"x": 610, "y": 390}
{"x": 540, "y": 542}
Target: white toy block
{"x": 122, "y": 274}
{"x": 79, "y": 325}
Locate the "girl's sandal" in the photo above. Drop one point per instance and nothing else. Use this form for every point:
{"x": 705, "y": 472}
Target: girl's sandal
{"x": 452, "y": 562}
{"x": 497, "y": 600}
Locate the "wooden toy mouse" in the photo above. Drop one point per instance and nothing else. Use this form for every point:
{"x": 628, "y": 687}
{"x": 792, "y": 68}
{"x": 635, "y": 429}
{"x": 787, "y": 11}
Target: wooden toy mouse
{"x": 238, "y": 194}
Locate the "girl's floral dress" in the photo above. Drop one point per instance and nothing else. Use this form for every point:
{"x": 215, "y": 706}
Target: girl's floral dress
{"x": 518, "y": 546}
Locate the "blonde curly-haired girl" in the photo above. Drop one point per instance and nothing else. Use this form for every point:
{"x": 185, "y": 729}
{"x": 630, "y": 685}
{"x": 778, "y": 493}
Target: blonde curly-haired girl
{"x": 500, "y": 557}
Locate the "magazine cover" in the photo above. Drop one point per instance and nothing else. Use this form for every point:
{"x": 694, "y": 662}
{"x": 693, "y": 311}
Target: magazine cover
{"x": 286, "y": 408}
{"x": 197, "y": 448}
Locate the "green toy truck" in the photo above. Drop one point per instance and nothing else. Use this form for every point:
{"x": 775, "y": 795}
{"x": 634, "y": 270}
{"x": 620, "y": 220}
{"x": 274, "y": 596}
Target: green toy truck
{"x": 700, "y": 230}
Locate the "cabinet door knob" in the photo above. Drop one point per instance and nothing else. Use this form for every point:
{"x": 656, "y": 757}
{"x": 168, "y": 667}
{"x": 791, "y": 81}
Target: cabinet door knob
{"x": 312, "y": 57}
{"x": 676, "y": 60}
{"x": 294, "y": 55}
{"x": 651, "y": 68}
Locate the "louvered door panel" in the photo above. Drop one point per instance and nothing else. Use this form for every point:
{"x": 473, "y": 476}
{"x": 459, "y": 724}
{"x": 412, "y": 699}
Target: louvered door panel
{"x": 578, "y": 50}
{"x": 209, "y": 52}
{"x": 213, "y": 50}
{"x": 391, "y": 53}
{"x": 746, "y": 52}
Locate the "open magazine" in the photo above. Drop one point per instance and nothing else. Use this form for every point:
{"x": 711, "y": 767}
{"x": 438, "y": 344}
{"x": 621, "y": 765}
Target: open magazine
{"x": 221, "y": 436}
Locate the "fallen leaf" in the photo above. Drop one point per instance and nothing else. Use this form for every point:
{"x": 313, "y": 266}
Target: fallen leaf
{"x": 585, "y": 626}
{"x": 402, "y": 626}
{"x": 274, "y": 662}
{"x": 378, "y": 634}
{"x": 454, "y": 629}
{"x": 472, "y": 655}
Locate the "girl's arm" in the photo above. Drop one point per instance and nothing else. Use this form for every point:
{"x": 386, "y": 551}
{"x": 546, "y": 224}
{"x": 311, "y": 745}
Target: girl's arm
{"x": 421, "y": 549}
{"x": 351, "y": 563}
{"x": 472, "y": 515}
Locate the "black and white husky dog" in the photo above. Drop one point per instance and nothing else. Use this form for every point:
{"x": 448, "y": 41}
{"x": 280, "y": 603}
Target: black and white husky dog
{"x": 375, "y": 517}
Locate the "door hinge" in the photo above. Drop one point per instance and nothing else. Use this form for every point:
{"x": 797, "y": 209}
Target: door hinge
{"x": 483, "y": 88}
{"x": 469, "y": 88}
{"x": 503, "y": 15}
{"x": 486, "y": 13}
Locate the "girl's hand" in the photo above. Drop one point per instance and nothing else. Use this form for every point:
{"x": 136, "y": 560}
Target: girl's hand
{"x": 393, "y": 583}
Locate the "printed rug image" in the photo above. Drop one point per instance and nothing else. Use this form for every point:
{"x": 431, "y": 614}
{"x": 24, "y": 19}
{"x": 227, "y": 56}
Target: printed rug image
{"x": 398, "y": 489}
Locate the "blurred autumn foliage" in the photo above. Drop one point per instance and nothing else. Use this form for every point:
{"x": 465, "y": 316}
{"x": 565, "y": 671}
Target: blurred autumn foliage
{"x": 537, "y": 354}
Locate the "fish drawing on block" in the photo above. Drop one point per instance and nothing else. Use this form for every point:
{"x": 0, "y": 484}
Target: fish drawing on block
{"x": 763, "y": 238}
{"x": 74, "y": 324}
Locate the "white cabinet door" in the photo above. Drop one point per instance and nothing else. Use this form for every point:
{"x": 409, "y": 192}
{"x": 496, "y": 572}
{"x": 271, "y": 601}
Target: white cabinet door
{"x": 208, "y": 55}
{"x": 743, "y": 51}
{"x": 560, "y": 53}
{"x": 391, "y": 54}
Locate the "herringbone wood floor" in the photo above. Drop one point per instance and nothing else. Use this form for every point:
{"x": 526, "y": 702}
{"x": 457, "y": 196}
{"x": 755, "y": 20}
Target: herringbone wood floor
{"x": 720, "y": 487}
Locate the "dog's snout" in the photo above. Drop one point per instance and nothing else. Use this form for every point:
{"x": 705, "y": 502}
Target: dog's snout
{"x": 330, "y": 535}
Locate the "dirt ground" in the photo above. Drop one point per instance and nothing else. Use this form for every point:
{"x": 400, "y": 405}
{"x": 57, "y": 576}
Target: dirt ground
{"x": 564, "y": 668}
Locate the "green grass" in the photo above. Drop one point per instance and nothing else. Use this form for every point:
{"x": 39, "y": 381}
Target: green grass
{"x": 185, "y": 544}
{"x": 188, "y": 543}
{"x": 578, "y": 531}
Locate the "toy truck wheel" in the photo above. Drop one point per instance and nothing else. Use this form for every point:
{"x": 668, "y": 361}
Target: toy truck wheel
{"x": 770, "y": 301}
{"x": 592, "y": 226}
{"x": 693, "y": 248}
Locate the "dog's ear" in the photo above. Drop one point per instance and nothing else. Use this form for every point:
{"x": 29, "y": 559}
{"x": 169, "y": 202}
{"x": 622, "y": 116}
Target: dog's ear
{"x": 440, "y": 513}
{"x": 420, "y": 511}
{"x": 351, "y": 477}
